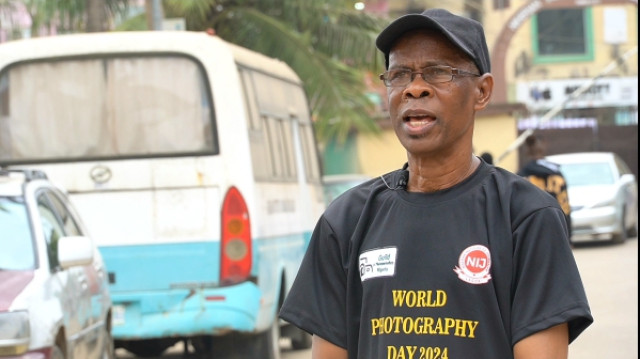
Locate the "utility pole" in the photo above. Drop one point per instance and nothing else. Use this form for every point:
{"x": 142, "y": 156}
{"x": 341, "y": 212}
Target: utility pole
{"x": 155, "y": 15}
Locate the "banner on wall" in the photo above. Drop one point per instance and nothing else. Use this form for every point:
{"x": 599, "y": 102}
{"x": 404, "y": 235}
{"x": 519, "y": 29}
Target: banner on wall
{"x": 605, "y": 92}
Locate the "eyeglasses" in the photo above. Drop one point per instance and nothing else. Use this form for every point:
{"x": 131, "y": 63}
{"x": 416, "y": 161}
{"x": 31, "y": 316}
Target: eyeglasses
{"x": 431, "y": 74}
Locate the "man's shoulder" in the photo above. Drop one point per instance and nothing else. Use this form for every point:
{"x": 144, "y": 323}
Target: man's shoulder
{"x": 349, "y": 205}
{"x": 540, "y": 168}
{"x": 503, "y": 177}
{"x": 520, "y": 191}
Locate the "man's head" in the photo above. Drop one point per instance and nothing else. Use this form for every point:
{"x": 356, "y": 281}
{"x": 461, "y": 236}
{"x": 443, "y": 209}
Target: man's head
{"x": 536, "y": 147}
{"x": 438, "y": 78}
{"x": 465, "y": 33}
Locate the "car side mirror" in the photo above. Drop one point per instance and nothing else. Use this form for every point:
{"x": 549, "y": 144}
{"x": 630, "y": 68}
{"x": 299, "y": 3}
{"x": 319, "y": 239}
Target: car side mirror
{"x": 75, "y": 251}
{"x": 627, "y": 178}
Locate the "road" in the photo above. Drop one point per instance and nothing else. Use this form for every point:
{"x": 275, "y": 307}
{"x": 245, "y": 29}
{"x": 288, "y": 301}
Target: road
{"x": 175, "y": 353}
{"x": 610, "y": 276}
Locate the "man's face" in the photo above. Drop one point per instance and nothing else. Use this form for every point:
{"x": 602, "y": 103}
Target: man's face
{"x": 432, "y": 119}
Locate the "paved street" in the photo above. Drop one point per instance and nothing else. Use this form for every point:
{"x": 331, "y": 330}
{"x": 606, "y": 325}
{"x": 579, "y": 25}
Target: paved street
{"x": 610, "y": 274}
{"x": 176, "y": 350}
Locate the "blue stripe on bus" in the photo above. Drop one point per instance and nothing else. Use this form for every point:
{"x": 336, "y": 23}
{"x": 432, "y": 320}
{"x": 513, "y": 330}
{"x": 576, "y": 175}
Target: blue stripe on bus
{"x": 148, "y": 267}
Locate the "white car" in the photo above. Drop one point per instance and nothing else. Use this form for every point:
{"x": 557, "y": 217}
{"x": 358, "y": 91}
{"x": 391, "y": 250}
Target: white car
{"x": 603, "y": 194}
{"x": 54, "y": 299}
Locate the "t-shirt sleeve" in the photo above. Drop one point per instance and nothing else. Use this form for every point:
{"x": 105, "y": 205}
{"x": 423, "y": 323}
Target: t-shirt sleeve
{"x": 316, "y": 301}
{"x": 548, "y": 289}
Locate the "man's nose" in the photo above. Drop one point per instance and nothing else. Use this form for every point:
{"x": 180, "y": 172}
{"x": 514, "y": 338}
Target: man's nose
{"x": 418, "y": 86}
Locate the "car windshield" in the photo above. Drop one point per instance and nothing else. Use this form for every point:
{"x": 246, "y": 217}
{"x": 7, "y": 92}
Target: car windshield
{"x": 16, "y": 243}
{"x": 587, "y": 174}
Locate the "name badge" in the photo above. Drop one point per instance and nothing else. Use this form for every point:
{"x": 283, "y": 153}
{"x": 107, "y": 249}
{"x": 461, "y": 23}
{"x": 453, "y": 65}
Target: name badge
{"x": 379, "y": 262}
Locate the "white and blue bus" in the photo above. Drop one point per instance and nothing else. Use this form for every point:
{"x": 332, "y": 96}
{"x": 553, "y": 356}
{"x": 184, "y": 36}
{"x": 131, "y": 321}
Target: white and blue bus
{"x": 194, "y": 165}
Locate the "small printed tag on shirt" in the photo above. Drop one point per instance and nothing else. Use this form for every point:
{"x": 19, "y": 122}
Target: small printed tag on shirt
{"x": 378, "y": 263}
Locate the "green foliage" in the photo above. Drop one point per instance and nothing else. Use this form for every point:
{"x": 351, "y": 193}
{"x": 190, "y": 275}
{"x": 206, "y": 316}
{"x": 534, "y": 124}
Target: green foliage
{"x": 68, "y": 15}
{"x": 135, "y": 23}
{"x": 328, "y": 43}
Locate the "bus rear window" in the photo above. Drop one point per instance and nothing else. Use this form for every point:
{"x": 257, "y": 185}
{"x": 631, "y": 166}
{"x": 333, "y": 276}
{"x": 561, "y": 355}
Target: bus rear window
{"x": 108, "y": 107}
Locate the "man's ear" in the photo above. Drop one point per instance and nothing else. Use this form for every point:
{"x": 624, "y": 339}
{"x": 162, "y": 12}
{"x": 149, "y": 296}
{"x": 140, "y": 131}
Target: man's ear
{"x": 484, "y": 90}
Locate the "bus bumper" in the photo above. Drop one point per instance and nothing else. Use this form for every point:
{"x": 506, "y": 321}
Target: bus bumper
{"x": 185, "y": 312}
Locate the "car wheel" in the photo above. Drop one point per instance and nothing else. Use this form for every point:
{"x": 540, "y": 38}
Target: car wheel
{"x": 108, "y": 350}
{"x": 633, "y": 231}
{"x": 622, "y": 236}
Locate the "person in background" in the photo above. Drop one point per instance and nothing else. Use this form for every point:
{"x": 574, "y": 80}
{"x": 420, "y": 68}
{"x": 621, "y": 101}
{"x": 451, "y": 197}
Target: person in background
{"x": 487, "y": 157}
{"x": 546, "y": 175}
{"x": 446, "y": 257}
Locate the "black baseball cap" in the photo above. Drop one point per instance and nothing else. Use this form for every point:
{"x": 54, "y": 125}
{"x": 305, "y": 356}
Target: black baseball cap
{"x": 465, "y": 33}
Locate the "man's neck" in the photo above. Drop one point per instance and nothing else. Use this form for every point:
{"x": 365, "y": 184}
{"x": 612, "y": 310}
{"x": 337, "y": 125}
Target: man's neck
{"x": 435, "y": 175}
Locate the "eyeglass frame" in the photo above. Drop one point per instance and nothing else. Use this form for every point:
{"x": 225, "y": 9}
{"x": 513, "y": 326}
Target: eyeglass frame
{"x": 454, "y": 72}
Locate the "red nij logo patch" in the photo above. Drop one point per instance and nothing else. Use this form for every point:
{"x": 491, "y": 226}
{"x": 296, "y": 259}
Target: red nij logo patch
{"x": 474, "y": 265}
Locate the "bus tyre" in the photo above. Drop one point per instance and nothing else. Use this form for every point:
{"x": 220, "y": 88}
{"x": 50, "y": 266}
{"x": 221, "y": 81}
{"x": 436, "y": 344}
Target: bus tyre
{"x": 202, "y": 345}
{"x": 301, "y": 341}
{"x": 147, "y": 348}
{"x": 266, "y": 344}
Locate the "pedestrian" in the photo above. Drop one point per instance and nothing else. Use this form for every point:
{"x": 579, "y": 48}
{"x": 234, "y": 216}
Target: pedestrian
{"x": 447, "y": 257}
{"x": 546, "y": 175}
{"x": 487, "y": 157}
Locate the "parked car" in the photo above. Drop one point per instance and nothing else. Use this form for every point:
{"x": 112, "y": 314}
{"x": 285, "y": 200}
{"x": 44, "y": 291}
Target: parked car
{"x": 335, "y": 185}
{"x": 603, "y": 194}
{"x": 54, "y": 299}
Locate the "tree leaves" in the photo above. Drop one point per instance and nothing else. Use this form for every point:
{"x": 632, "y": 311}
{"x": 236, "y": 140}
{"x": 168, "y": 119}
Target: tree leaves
{"x": 329, "y": 45}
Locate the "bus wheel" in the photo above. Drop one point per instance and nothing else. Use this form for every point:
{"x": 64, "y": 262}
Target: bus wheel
{"x": 301, "y": 341}
{"x": 266, "y": 344}
{"x": 202, "y": 344}
{"x": 147, "y": 348}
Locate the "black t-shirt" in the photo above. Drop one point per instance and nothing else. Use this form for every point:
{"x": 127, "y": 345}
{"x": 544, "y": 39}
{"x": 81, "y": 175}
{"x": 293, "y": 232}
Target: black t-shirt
{"x": 548, "y": 177}
{"x": 460, "y": 273}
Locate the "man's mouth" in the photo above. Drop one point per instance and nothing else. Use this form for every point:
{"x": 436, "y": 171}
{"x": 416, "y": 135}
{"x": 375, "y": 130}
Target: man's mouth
{"x": 418, "y": 121}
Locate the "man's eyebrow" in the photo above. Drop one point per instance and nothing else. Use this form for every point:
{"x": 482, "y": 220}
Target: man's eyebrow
{"x": 399, "y": 67}
{"x": 423, "y": 66}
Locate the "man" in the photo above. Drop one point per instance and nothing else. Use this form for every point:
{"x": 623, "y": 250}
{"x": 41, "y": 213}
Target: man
{"x": 447, "y": 257}
{"x": 546, "y": 175}
{"x": 487, "y": 157}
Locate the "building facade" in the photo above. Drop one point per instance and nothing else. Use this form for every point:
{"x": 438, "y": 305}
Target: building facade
{"x": 561, "y": 64}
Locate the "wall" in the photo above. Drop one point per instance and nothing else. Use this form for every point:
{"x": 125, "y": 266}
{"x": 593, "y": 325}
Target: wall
{"x": 380, "y": 154}
{"x": 492, "y": 133}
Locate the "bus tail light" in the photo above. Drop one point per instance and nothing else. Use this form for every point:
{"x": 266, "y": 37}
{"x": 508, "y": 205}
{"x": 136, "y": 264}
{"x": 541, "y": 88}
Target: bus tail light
{"x": 235, "y": 244}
